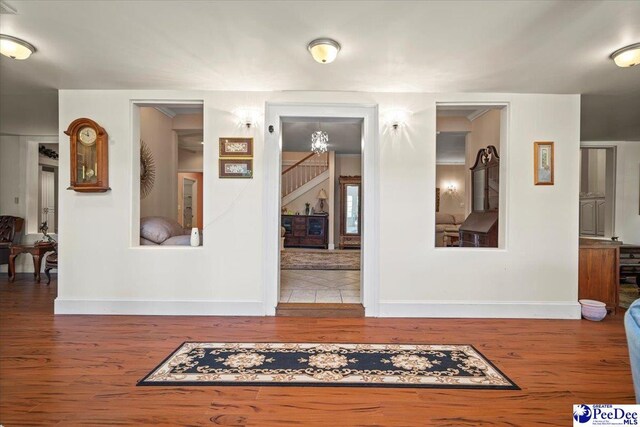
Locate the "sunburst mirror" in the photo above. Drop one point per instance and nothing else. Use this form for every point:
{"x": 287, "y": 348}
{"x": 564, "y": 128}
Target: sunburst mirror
{"x": 147, "y": 170}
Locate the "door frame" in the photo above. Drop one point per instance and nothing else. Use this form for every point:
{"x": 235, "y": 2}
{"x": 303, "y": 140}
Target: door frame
{"x": 274, "y": 113}
{"x": 194, "y": 199}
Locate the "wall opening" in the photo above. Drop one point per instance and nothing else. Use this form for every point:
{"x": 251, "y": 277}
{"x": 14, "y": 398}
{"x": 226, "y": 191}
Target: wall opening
{"x": 469, "y": 142}
{"x": 169, "y": 155}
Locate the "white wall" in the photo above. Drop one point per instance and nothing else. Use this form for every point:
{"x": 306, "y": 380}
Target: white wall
{"x": 156, "y": 130}
{"x": 628, "y": 192}
{"x": 311, "y": 197}
{"x": 485, "y": 131}
{"x": 11, "y": 178}
{"x": 452, "y": 203}
{"x": 535, "y": 275}
{"x": 19, "y": 179}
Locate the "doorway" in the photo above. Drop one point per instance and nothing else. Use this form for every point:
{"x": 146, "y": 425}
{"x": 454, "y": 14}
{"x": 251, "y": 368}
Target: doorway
{"x": 321, "y": 218}
{"x": 189, "y": 202}
{"x": 597, "y": 192}
{"x": 281, "y": 215}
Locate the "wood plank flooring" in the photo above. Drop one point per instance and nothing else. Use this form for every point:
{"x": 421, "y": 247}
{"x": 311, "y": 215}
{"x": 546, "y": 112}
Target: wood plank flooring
{"x": 82, "y": 370}
{"x": 293, "y": 309}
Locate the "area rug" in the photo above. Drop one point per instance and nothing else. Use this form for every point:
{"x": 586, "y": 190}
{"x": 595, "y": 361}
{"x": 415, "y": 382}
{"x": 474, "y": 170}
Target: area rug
{"x": 308, "y": 364}
{"x": 319, "y": 259}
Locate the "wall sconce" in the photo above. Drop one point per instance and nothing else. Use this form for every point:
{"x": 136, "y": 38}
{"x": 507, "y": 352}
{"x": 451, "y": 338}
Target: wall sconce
{"x": 247, "y": 116}
{"x": 397, "y": 118}
{"x": 451, "y": 188}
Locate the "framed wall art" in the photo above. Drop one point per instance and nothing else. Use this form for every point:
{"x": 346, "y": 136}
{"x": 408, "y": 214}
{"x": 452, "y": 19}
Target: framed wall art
{"x": 235, "y": 168}
{"x": 236, "y": 147}
{"x": 543, "y": 168}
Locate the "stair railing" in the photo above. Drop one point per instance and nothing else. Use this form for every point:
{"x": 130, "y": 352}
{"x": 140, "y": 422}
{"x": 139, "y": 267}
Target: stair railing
{"x": 303, "y": 171}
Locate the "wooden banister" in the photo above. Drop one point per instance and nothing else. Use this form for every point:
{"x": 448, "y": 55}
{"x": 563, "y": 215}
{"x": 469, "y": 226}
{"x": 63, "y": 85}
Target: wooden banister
{"x": 297, "y": 163}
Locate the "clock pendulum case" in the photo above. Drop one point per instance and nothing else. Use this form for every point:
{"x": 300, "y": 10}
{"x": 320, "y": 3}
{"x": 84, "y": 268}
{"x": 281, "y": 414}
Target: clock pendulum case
{"x": 89, "y": 156}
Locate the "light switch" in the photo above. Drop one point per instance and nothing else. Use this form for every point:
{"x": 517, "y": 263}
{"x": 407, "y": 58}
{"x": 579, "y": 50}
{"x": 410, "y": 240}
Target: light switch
{"x": 16, "y": 200}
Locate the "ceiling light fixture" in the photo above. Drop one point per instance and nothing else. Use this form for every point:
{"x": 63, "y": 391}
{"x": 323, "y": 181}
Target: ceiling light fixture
{"x": 627, "y": 56}
{"x": 15, "y": 48}
{"x": 324, "y": 51}
{"x": 319, "y": 142}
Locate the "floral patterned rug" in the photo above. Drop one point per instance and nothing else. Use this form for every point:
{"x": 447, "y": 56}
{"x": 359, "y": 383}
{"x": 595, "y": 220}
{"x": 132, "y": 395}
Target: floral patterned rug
{"x": 307, "y": 364}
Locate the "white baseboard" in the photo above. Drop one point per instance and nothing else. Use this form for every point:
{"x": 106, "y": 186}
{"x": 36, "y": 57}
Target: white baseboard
{"x": 488, "y": 309}
{"x": 159, "y": 308}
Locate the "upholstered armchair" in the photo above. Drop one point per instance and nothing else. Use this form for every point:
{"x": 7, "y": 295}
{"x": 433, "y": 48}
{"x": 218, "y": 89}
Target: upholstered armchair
{"x": 10, "y": 234}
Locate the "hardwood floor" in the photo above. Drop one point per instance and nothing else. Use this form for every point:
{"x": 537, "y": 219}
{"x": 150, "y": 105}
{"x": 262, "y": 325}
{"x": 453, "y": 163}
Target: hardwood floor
{"x": 82, "y": 370}
{"x": 304, "y": 309}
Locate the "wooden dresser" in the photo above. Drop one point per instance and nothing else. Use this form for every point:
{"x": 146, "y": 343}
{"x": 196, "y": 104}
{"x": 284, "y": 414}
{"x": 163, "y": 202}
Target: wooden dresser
{"x": 480, "y": 230}
{"x": 306, "y": 231}
{"x": 599, "y": 272}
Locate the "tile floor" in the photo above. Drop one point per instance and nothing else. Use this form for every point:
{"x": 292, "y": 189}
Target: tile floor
{"x": 329, "y": 286}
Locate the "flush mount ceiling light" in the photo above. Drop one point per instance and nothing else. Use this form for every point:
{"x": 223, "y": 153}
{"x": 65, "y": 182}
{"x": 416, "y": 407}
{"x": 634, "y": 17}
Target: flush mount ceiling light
{"x": 15, "y": 48}
{"x": 627, "y": 56}
{"x": 324, "y": 51}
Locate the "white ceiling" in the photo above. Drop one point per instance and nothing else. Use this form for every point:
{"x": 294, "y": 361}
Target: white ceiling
{"x": 344, "y": 134}
{"x": 450, "y": 148}
{"x": 404, "y": 46}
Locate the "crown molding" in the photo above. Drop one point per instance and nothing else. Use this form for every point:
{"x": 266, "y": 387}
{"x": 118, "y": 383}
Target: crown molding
{"x": 478, "y": 113}
{"x": 166, "y": 111}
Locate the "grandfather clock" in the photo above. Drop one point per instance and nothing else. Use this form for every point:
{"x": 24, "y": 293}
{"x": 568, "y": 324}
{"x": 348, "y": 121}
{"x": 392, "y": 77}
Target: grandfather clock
{"x": 89, "y": 156}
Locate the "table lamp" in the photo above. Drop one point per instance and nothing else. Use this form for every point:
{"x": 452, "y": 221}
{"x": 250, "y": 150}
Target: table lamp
{"x": 322, "y": 196}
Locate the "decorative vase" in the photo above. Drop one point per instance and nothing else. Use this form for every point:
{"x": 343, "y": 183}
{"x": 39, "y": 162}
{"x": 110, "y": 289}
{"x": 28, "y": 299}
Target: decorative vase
{"x": 593, "y": 310}
{"x": 195, "y": 237}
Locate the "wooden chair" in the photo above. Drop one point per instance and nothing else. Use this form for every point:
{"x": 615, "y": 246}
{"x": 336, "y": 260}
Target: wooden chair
{"x": 10, "y": 228}
{"x": 50, "y": 262}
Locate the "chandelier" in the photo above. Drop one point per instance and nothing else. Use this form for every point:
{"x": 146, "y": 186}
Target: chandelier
{"x": 319, "y": 142}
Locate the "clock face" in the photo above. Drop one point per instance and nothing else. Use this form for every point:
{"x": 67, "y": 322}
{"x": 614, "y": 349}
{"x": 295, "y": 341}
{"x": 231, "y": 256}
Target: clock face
{"x": 87, "y": 135}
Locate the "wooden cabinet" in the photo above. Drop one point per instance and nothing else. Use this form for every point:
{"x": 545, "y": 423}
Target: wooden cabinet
{"x": 592, "y": 215}
{"x": 480, "y": 229}
{"x": 598, "y": 274}
{"x": 305, "y": 231}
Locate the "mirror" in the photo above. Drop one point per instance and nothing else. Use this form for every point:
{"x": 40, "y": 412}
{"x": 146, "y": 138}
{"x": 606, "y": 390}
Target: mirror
{"x": 352, "y": 209}
{"x": 350, "y": 212}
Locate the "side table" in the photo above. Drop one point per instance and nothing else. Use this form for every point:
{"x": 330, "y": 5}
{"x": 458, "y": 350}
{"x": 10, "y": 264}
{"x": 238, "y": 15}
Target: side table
{"x": 37, "y": 251}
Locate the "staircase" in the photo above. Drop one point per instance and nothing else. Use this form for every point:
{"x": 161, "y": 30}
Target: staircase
{"x": 305, "y": 174}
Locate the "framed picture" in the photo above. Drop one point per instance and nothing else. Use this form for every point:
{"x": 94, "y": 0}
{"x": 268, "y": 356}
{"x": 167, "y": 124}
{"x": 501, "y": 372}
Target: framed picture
{"x": 235, "y": 168}
{"x": 543, "y": 163}
{"x": 236, "y": 147}
{"x": 437, "y": 199}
